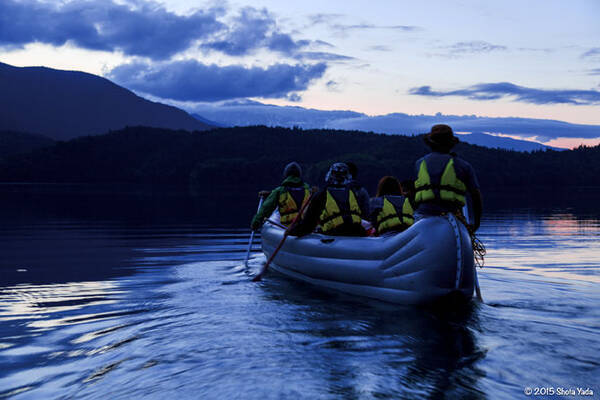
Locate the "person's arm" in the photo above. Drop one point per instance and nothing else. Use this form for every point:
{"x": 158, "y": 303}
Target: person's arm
{"x": 311, "y": 217}
{"x": 477, "y": 207}
{"x": 266, "y": 210}
{"x": 473, "y": 187}
{"x": 364, "y": 200}
{"x": 374, "y": 208}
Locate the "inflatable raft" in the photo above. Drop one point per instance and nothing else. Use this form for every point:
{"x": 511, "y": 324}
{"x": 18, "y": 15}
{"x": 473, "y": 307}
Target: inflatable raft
{"x": 431, "y": 259}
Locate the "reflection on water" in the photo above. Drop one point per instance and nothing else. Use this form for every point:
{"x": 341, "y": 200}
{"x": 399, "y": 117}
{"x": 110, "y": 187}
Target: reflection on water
{"x": 114, "y": 306}
{"x": 36, "y": 301}
{"x": 559, "y": 246}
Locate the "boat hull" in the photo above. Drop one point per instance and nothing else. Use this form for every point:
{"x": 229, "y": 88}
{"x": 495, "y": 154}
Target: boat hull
{"x": 431, "y": 259}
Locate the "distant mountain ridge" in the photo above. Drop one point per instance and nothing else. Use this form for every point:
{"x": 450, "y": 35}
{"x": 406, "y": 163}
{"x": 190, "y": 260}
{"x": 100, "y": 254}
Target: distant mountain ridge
{"x": 66, "y": 104}
{"x": 499, "y": 142}
{"x": 247, "y": 113}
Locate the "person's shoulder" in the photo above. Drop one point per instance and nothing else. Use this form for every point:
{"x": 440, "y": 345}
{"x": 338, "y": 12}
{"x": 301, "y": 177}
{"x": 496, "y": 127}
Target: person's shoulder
{"x": 462, "y": 162}
{"x": 420, "y": 159}
{"x": 321, "y": 192}
{"x": 277, "y": 191}
{"x": 376, "y": 202}
{"x": 354, "y": 185}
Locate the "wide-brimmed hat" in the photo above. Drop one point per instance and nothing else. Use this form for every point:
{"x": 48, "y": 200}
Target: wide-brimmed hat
{"x": 441, "y": 136}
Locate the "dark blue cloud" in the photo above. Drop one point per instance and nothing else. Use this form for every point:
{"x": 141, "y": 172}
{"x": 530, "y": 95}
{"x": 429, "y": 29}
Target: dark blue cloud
{"x": 144, "y": 30}
{"x": 253, "y": 29}
{"x": 494, "y": 91}
{"x": 294, "y": 97}
{"x": 192, "y": 81}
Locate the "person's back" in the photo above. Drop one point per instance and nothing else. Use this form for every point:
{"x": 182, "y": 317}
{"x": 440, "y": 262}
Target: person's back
{"x": 360, "y": 191}
{"x": 341, "y": 213}
{"x": 293, "y": 195}
{"x": 444, "y": 179}
{"x": 287, "y": 198}
{"x": 390, "y": 210}
{"x": 335, "y": 208}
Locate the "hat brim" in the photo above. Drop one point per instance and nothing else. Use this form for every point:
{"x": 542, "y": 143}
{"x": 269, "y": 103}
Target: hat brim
{"x": 427, "y": 138}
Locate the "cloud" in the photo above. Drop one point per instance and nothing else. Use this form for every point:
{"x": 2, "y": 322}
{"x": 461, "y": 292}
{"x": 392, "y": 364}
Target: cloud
{"x": 333, "y": 86}
{"x": 323, "y": 18}
{"x": 380, "y": 48}
{"x": 323, "y": 56}
{"x": 593, "y": 53}
{"x": 360, "y": 27}
{"x": 294, "y": 97}
{"x": 536, "y": 50}
{"x": 461, "y": 49}
{"x": 193, "y": 81}
{"x": 495, "y": 91}
{"x": 253, "y": 29}
{"x": 322, "y": 43}
{"x": 146, "y": 29}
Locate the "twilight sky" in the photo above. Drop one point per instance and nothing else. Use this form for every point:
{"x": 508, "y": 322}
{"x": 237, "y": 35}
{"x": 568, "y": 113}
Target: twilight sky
{"x": 537, "y": 59}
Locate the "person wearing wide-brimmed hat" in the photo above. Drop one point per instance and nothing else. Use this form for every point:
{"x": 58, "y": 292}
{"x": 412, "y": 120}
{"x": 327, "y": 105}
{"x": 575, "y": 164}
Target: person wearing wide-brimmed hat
{"x": 444, "y": 180}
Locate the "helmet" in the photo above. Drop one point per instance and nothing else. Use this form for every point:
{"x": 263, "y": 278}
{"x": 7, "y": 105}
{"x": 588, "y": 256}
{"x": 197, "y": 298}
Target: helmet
{"x": 292, "y": 169}
{"x": 338, "y": 173}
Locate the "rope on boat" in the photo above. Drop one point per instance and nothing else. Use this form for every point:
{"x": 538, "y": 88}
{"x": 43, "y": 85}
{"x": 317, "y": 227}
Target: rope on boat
{"x": 479, "y": 250}
{"x": 459, "y": 260}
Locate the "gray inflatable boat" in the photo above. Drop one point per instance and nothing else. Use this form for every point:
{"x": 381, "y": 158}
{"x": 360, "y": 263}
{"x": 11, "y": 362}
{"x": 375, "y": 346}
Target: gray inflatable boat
{"x": 431, "y": 259}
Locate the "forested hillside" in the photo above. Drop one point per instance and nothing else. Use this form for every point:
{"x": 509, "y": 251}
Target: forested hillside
{"x": 253, "y": 157}
{"x": 19, "y": 142}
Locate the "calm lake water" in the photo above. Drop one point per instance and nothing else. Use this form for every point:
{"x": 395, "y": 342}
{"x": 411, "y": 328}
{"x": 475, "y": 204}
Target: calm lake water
{"x": 129, "y": 293}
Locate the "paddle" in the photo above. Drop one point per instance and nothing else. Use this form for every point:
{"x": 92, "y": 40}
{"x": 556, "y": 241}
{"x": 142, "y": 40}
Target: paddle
{"x": 477, "y": 288}
{"x": 259, "y": 276}
{"x": 262, "y": 196}
{"x": 467, "y": 219}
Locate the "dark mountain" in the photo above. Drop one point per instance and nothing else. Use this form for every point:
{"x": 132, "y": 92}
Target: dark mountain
{"x": 253, "y": 157}
{"x": 67, "y": 104}
{"x": 12, "y": 143}
{"x": 208, "y": 121}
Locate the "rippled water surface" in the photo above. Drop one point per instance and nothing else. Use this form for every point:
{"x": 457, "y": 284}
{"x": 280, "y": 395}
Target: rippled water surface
{"x": 144, "y": 294}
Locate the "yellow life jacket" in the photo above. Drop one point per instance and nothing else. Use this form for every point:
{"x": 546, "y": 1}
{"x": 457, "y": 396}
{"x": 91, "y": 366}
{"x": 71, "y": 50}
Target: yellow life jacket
{"x": 447, "y": 189}
{"x": 288, "y": 201}
{"x": 395, "y": 215}
{"x": 341, "y": 208}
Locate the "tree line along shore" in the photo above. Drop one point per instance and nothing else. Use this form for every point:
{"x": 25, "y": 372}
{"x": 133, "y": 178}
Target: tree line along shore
{"x": 252, "y": 157}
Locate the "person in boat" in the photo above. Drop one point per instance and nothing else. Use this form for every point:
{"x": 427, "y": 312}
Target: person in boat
{"x": 288, "y": 198}
{"x": 362, "y": 193}
{"x": 335, "y": 207}
{"x": 444, "y": 179}
{"x": 391, "y": 211}
{"x": 408, "y": 190}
